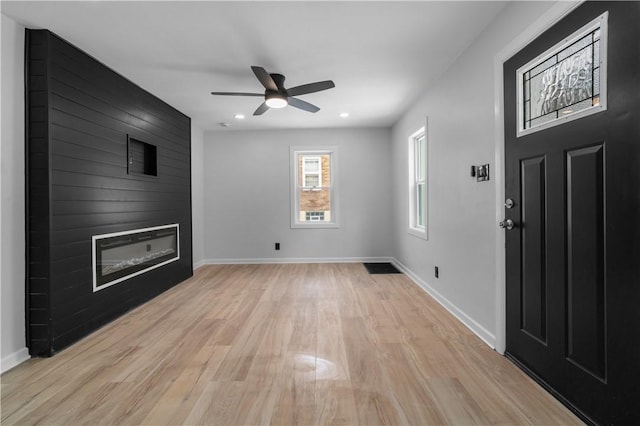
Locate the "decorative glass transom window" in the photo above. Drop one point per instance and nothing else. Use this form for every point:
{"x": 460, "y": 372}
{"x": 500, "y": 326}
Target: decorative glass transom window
{"x": 566, "y": 82}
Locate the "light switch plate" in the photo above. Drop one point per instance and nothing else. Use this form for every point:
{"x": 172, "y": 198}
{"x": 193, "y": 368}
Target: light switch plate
{"x": 482, "y": 173}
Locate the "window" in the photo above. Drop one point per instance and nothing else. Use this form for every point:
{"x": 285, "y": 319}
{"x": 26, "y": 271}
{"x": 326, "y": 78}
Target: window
{"x": 315, "y": 216}
{"x": 417, "y": 148}
{"x": 311, "y": 171}
{"x": 314, "y": 195}
{"x": 566, "y": 82}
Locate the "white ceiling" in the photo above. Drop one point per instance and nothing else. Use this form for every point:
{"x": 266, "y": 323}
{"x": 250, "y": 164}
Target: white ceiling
{"x": 381, "y": 55}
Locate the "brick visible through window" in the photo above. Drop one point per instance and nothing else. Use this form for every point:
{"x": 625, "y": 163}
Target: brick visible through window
{"x": 314, "y": 188}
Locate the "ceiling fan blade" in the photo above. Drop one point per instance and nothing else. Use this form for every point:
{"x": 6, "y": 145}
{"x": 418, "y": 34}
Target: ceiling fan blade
{"x": 265, "y": 78}
{"x": 237, "y": 94}
{"x": 303, "y": 105}
{"x": 310, "y": 88}
{"x": 261, "y": 109}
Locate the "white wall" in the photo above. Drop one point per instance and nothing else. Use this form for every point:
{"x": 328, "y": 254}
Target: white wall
{"x": 247, "y": 194}
{"x": 461, "y": 211}
{"x": 197, "y": 194}
{"x": 12, "y": 268}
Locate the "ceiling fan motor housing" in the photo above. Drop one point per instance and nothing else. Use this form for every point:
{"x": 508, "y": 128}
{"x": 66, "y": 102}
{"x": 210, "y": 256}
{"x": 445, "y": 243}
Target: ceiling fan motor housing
{"x": 278, "y": 79}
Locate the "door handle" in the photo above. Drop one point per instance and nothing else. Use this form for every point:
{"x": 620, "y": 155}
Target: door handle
{"x": 507, "y": 224}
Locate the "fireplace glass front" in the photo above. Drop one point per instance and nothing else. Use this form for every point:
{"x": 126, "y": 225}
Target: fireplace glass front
{"x": 122, "y": 255}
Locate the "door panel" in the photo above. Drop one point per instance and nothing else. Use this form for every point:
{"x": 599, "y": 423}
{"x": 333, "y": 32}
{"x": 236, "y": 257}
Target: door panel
{"x": 533, "y": 256}
{"x": 586, "y": 345}
{"x": 573, "y": 257}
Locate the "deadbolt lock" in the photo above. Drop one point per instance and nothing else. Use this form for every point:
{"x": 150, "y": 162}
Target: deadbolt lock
{"x": 509, "y": 203}
{"x": 506, "y": 224}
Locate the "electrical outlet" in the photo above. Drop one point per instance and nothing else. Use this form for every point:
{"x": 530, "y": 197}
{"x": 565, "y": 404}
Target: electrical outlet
{"x": 437, "y": 272}
{"x": 277, "y": 246}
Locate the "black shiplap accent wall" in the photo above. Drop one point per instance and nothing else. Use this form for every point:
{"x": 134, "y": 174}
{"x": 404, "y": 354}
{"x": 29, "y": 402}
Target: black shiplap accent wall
{"x": 79, "y": 116}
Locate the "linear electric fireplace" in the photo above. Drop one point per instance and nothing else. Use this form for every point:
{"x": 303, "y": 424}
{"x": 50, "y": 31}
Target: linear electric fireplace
{"x": 122, "y": 255}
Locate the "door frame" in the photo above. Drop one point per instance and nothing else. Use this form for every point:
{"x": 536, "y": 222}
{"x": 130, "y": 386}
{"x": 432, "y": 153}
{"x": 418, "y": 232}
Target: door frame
{"x": 539, "y": 26}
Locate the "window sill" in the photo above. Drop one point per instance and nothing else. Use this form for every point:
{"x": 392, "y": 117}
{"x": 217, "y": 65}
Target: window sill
{"x": 419, "y": 233}
{"x": 314, "y": 226}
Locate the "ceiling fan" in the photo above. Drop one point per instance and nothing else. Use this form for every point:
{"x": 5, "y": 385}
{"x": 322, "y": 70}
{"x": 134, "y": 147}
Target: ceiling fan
{"x": 275, "y": 94}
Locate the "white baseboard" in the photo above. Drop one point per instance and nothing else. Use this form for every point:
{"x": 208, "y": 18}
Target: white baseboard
{"x": 296, "y": 260}
{"x": 13, "y": 360}
{"x": 198, "y": 264}
{"x": 470, "y": 323}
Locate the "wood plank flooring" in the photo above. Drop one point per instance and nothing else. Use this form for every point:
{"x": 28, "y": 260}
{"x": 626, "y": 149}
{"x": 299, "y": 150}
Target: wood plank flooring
{"x": 283, "y": 345}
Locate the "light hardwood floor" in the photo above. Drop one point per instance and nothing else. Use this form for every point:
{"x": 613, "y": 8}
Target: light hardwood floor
{"x": 280, "y": 344}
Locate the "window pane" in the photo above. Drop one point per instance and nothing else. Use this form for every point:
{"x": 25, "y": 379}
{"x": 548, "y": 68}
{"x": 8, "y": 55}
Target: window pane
{"x": 543, "y": 119}
{"x": 420, "y": 155}
{"x": 315, "y": 216}
{"x": 417, "y": 144}
{"x": 311, "y": 165}
{"x": 578, "y": 45}
{"x": 567, "y": 83}
{"x": 420, "y": 216}
{"x": 563, "y": 83}
{"x": 325, "y": 170}
{"x": 543, "y": 66}
{"x": 311, "y": 180}
{"x": 317, "y": 200}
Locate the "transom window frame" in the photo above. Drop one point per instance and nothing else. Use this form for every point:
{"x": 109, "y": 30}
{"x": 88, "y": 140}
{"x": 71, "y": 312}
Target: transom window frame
{"x": 601, "y": 22}
{"x": 414, "y": 228}
{"x": 294, "y": 152}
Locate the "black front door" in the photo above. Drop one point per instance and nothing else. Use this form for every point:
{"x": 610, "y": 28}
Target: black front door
{"x": 573, "y": 254}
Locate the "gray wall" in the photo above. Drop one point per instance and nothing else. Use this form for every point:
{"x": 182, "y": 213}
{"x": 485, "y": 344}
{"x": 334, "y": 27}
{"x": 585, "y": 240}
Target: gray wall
{"x": 197, "y": 193}
{"x": 247, "y": 190}
{"x": 12, "y": 268}
{"x": 461, "y": 212}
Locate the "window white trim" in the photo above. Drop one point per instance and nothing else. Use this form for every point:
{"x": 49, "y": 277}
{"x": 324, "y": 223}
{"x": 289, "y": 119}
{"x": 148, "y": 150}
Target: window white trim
{"x": 599, "y": 23}
{"x": 414, "y": 228}
{"x": 294, "y": 152}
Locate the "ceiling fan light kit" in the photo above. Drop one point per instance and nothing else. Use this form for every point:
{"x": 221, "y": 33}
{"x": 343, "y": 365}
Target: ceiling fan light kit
{"x": 277, "y": 96}
{"x": 275, "y": 100}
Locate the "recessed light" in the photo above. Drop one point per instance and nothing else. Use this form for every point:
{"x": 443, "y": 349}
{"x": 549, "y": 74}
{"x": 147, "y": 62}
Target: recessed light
{"x": 223, "y": 124}
{"x": 239, "y": 116}
{"x": 344, "y": 114}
